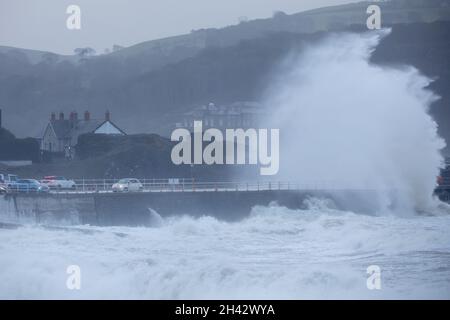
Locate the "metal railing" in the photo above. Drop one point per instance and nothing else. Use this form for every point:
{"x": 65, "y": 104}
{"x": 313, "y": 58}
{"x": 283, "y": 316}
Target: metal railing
{"x": 191, "y": 185}
{"x": 20, "y": 189}
{"x": 102, "y": 185}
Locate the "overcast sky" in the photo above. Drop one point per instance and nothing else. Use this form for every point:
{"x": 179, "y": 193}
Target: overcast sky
{"x": 41, "y": 24}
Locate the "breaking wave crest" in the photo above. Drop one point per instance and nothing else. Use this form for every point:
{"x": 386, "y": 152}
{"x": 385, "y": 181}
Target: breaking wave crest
{"x": 351, "y": 123}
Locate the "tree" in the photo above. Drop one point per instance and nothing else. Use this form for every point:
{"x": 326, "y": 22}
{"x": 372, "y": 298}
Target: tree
{"x": 116, "y": 47}
{"x": 279, "y": 15}
{"x": 84, "y": 52}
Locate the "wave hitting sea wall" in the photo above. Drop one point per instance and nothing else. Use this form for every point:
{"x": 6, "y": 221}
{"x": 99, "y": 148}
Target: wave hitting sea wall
{"x": 138, "y": 209}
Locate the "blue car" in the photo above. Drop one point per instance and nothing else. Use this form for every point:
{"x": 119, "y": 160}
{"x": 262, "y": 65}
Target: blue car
{"x": 27, "y": 185}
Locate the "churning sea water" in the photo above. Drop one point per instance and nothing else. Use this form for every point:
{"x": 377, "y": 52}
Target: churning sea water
{"x": 275, "y": 253}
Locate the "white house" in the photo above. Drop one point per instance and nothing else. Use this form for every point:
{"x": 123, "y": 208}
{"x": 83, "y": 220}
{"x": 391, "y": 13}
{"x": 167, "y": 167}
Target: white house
{"x": 61, "y": 135}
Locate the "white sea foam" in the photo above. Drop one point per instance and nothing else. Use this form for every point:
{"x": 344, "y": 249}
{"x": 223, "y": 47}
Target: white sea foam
{"x": 275, "y": 253}
{"x": 349, "y": 122}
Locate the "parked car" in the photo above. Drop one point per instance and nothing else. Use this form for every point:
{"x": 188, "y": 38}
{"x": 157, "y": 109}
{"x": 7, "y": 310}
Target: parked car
{"x": 28, "y": 185}
{"x": 2, "y": 183}
{"x": 127, "y": 185}
{"x": 443, "y": 183}
{"x": 58, "y": 182}
{"x": 3, "y": 189}
{"x": 6, "y": 181}
{"x": 8, "y": 178}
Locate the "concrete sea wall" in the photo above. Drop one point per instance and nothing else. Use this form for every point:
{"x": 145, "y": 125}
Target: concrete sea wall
{"x": 134, "y": 209}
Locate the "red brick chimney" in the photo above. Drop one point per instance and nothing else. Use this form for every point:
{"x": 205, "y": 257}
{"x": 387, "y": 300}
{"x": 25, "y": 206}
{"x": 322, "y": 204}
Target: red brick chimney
{"x": 73, "y": 116}
{"x": 61, "y": 116}
{"x": 87, "y": 116}
{"x": 107, "y": 115}
{"x": 53, "y": 116}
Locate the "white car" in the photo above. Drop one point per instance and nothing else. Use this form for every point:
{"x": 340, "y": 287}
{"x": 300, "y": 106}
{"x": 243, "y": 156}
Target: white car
{"x": 57, "y": 182}
{"x": 127, "y": 185}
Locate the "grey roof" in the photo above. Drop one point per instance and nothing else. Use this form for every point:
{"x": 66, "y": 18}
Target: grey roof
{"x": 65, "y": 129}
{"x": 88, "y": 126}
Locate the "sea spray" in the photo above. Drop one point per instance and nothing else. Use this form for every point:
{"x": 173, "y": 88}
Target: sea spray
{"x": 276, "y": 253}
{"x": 355, "y": 124}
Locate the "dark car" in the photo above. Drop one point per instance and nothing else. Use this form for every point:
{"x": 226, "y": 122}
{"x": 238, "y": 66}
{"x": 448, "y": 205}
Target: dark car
{"x": 28, "y": 185}
{"x": 443, "y": 181}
